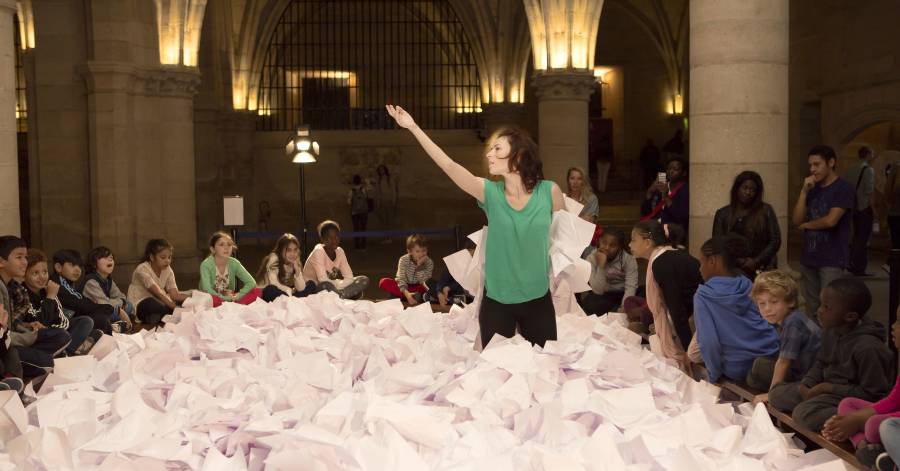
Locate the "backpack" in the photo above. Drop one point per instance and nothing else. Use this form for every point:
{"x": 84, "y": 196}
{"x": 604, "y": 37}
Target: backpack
{"x": 359, "y": 202}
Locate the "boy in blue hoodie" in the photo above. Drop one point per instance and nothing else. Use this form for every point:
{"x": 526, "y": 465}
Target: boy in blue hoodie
{"x": 731, "y": 333}
{"x": 852, "y": 362}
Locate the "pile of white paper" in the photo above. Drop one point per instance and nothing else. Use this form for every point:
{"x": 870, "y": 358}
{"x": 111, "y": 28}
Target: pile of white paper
{"x": 326, "y": 384}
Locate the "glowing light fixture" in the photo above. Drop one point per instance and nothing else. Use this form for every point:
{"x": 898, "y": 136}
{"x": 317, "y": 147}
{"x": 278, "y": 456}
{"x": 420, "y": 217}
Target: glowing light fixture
{"x": 301, "y": 148}
{"x": 563, "y": 32}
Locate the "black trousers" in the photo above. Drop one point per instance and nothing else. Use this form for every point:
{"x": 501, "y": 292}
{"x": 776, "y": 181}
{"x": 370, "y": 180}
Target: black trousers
{"x": 599, "y": 304}
{"x": 151, "y": 311}
{"x": 894, "y": 225}
{"x": 859, "y": 244}
{"x": 535, "y": 319}
{"x": 272, "y": 292}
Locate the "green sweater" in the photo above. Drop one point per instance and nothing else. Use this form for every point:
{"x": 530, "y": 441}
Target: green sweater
{"x": 235, "y": 270}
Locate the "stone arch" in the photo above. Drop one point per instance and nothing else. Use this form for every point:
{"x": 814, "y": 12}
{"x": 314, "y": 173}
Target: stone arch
{"x": 864, "y": 117}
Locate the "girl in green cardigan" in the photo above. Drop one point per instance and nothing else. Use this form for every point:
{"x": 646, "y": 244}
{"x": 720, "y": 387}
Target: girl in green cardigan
{"x": 220, "y": 270}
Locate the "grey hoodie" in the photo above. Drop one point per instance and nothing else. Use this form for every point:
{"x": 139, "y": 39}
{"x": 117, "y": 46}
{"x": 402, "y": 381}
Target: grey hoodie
{"x": 857, "y": 363}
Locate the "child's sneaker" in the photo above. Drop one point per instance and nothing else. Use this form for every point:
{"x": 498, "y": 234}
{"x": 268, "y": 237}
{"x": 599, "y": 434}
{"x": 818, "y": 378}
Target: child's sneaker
{"x": 119, "y": 327}
{"x": 89, "y": 342}
{"x": 867, "y": 453}
{"x": 884, "y": 462}
{"x": 13, "y": 383}
{"x": 419, "y": 298}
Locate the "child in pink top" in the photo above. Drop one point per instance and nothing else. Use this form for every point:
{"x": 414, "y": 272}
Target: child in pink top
{"x": 859, "y": 420}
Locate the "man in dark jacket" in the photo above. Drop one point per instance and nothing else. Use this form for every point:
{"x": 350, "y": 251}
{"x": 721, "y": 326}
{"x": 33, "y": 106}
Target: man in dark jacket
{"x": 852, "y": 362}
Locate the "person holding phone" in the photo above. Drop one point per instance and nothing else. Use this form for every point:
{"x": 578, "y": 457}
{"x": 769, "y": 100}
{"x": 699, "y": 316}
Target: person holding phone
{"x": 667, "y": 199}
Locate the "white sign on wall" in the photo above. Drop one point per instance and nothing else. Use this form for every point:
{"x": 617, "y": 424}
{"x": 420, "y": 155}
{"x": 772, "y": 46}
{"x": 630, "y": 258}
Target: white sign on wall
{"x": 233, "y": 207}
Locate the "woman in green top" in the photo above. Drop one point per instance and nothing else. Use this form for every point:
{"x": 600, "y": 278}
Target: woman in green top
{"x": 519, "y": 210}
{"x": 219, "y": 272}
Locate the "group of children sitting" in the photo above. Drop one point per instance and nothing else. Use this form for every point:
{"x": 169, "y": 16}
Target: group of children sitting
{"x": 47, "y": 313}
{"x": 827, "y": 368}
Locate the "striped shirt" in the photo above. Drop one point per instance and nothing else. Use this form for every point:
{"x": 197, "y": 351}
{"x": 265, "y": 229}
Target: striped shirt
{"x": 408, "y": 273}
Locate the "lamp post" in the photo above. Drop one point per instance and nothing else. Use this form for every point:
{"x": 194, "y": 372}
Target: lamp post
{"x": 302, "y": 150}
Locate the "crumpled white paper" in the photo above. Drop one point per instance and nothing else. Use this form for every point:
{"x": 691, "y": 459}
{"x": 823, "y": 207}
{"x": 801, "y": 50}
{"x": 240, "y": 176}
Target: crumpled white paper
{"x": 324, "y": 383}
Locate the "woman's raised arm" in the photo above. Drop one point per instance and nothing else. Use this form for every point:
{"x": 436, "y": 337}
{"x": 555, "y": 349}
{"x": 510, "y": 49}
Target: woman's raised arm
{"x": 463, "y": 178}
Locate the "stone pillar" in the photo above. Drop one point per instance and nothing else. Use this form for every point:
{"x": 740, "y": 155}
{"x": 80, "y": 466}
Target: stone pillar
{"x": 140, "y": 123}
{"x": 563, "y": 97}
{"x": 738, "y": 107}
{"x": 497, "y": 115}
{"x": 9, "y": 155}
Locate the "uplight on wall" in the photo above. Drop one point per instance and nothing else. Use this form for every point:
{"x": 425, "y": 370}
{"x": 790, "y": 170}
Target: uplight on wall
{"x": 677, "y": 105}
{"x": 563, "y": 32}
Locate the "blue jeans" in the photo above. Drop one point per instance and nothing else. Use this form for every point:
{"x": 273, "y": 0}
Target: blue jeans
{"x": 890, "y": 438}
{"x": 79, "y": 329}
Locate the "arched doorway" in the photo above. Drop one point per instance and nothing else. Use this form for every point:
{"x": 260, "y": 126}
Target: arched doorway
{"x": 884, "y": 139}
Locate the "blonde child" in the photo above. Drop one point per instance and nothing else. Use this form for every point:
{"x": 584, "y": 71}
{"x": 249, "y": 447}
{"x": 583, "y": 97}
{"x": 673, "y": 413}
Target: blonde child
{"x": 778, "y": 297}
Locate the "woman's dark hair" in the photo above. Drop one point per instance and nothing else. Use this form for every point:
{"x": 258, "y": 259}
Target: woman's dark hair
{"x": 755, "y": 218}
{"x": 280, "y": 245}
{"x": 218, "y": 235}
{"x": 730, "y": 248}
{"x": 90, "y": 262}
{"x": 661, "y": 234}
{"x": 523, "y": 156}
{"x": 155, "y": 246}
{"x": 357, "y": 180}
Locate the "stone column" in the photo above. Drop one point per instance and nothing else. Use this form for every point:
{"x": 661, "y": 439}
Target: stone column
{"x": 497, "y": 115}
{"x": 142, "y": 158}
{"x": 9, "y": 155}
{"x": 738, "y": 106}
{"x": 563, "y": 97}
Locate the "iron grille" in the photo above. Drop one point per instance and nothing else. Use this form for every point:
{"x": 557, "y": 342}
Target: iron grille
{"x": 334, "y": 64}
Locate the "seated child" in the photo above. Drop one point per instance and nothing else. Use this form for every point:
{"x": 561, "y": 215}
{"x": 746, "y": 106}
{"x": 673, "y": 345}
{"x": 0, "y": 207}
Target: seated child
{"x": 852, "y": 362}
{"x": 449, "y": 290}
{"x": 859, "y": 420}
{"x": 36, "y": 343}
{"x": 42, "y": 294}
{"x": 414, "y": 271}
{"x": 281, "y": 272}
{"x": 10, "y": 366}
{"x": 99, "y": 286}
{"x": 327, "y": 265}
{"x": 731, "y": 333}
{"x": 153, "y": 290}
{"x": 67, "y": 267}
{"x": 614, "y": 274}
{"x": 777, "y": 296}
{"x": 220, "y": 271}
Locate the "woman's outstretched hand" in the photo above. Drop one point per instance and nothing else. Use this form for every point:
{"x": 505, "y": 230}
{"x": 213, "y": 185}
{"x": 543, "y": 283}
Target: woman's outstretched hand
{"x": 403, "y": 119}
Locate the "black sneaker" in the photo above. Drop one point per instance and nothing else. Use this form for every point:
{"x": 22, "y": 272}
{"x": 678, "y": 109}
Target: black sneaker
{"x": 884, "y": 462}
{"x": 89, "y": 342}
{"x": 419, "y": 298}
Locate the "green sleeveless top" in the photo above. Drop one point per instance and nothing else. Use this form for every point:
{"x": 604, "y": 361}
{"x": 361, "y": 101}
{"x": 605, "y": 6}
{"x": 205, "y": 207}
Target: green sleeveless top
{"x": 517, "y": 260}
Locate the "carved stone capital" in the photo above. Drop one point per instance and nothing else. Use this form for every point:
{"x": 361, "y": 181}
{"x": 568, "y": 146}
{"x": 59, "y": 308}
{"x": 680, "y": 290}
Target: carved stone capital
{"x": 119, "y": 77}
{"x": 564, "y": 85}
